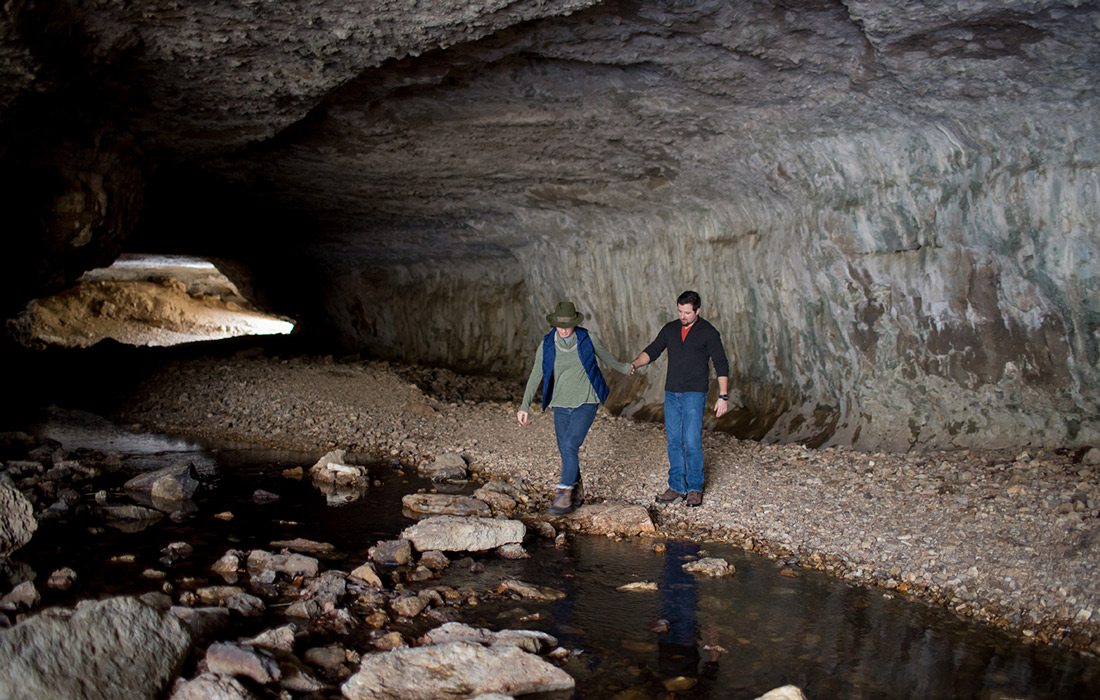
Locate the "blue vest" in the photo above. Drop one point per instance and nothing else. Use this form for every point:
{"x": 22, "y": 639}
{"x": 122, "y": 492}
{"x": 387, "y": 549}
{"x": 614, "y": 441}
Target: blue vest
{"x": 587, "y": 354}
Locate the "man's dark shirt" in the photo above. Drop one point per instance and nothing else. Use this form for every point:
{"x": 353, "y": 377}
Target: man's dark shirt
{"x": 688, "y": 369}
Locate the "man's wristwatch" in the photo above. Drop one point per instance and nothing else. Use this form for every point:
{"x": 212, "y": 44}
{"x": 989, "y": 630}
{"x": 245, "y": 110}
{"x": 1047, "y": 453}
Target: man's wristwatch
{"x": 724, "y": 397}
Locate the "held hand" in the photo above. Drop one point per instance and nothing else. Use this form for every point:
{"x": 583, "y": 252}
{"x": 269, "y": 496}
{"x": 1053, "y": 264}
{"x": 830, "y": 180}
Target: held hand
{"x": 721, "y": 406}
{"x": 521, "y": 417}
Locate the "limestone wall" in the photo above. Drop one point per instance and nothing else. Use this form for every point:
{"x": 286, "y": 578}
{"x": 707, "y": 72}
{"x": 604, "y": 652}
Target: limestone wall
{"x": 931, "y": 286}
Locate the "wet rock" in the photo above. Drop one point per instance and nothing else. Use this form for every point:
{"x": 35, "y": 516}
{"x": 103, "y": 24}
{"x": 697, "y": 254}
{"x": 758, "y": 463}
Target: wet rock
{"x": 408, "y": 606}
{"x": 210, "y": 686}
{"x": 245, "y": 605}
{"x": 331, "y": 470}
{"x": 435, "y": 560}
{"x": 174, "y": 552}
{"x": 638, "y": 586}
{"x": 542, "y": 528}
{"x": 453, "y": 670}
{"x": 332, "y": 659}
{"x": 229, "y": 563}
{"x": 391, "y": 552}
{"x": 17, "y": 522}
{"x": 454, "y": 534}
{"x": 501, "y": 496}
{"x": 448, "y": 466}
{"x": 787, "y": 692}
{"x": 366, "y": 574}
{"x": 297, "y": 680}
{"x": 62, "y": 579}
{"x": 445, "y": 504}
{"x": 131, "y": 518}
{"x": 512, "y": 551}
{"x": 420, "y": 573}
{"x": 203, "y": 623}
{"x": 289, "y": 564}
{"x": 304, "y": 546}
{"x": 387, "y": 641}
{"x": 529, "y": 590}
{"x": 260, "y": 496}
{"x": 236, "y": 660}
{"x": 217, "y": 595}
{"x": 130, "y": 649}
{"x": 276, "y": 639}
{"x": 23, "y": 597}
{"x": 327, "y": 589}
{"x": 710, "y": 566}
{"x": 303, "y": 609}
{"x": 611, "y": 518}
{"x": 171, "y": 484}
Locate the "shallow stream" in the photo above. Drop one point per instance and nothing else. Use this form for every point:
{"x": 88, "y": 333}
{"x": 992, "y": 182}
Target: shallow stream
{"x": 731, "y": 637}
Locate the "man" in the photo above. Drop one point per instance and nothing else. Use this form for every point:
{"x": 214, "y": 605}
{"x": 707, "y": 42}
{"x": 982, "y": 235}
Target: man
{"x": 691, "y": 342}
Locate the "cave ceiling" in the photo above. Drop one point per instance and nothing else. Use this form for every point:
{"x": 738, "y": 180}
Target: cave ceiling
{"x": 402, "y": 130}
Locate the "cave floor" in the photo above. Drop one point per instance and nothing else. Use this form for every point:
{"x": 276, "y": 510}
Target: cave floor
{"x": 1012, "y": 539}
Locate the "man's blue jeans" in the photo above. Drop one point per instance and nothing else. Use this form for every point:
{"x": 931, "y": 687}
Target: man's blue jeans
{"x": 684, "y": 431}
{"x": 571, "y": 426}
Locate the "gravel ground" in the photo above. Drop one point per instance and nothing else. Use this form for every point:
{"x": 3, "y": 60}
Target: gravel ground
{"x": 1013, "y": 539}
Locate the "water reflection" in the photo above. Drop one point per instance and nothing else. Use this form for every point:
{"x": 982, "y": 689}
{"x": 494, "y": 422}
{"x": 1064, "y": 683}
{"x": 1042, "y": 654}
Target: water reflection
{"x": 680, "y": 660}
{"x": 768, "y": 630}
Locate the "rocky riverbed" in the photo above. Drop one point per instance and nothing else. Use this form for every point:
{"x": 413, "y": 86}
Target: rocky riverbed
{"x": 1010, "y": 538}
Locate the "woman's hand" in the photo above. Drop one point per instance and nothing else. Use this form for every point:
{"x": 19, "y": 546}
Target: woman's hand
{"x": 521, "y": 417}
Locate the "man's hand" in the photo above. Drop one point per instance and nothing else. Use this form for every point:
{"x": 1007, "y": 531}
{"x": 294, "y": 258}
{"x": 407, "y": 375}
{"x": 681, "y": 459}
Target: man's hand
{"x": 521, "y": 416}
{"x": 720, "y": 407}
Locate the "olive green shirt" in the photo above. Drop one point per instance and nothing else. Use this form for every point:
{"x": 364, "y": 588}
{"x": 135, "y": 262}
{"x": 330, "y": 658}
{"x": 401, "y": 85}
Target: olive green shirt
{"x": 571, "y": 384}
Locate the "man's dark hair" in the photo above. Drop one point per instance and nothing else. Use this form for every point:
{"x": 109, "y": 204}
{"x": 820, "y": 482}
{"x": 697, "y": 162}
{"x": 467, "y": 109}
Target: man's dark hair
{"x": 690, "y": 297}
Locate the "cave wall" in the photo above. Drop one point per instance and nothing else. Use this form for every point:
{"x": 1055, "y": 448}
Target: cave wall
{"x": 931, "y": 287}
{"x": 890, "y": 209}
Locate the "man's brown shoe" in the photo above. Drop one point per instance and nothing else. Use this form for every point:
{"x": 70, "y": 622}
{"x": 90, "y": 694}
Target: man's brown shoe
{"x": 694, "y": 499}
{"x": 562, "y": 503}
{"x": 669, "y": 496}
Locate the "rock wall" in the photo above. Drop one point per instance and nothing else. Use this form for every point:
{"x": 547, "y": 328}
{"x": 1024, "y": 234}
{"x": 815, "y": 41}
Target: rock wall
{"x": 465, "y": 314}
{"x": 930, "y": 287}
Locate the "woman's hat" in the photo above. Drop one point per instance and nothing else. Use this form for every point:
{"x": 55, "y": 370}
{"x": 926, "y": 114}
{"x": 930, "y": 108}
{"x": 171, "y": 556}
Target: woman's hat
{"x": 565, "y": 315}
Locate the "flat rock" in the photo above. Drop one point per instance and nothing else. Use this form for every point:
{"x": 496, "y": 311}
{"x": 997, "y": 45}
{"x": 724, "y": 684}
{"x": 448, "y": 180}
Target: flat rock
{"x": 448, "y": 533}
{"x": 455, "y": 669}
{"x": 612, "y": 518}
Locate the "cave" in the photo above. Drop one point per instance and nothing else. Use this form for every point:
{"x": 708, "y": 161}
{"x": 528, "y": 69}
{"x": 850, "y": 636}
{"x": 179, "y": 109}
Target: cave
{"x": 890, "y": 211}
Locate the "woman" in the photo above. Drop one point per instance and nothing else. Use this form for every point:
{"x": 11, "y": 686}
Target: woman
{"x": 566, "y": 367}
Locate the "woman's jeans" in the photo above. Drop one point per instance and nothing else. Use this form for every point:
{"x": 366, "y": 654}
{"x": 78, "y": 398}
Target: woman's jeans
{"x": 571, "y": 426}
{"x": 684, "y": 431}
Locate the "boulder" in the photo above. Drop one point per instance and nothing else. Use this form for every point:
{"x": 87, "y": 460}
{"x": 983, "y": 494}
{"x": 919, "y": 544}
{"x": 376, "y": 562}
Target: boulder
{"x": 172, "y": 484}
{"x": 455, "y": 669}
{"x": 332, "y": 470}
{"x": 17, "y": 522}
{"x": 611, "y": 518}
{"x": 114, "y": 648}
{"x": 448, "y": 533}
